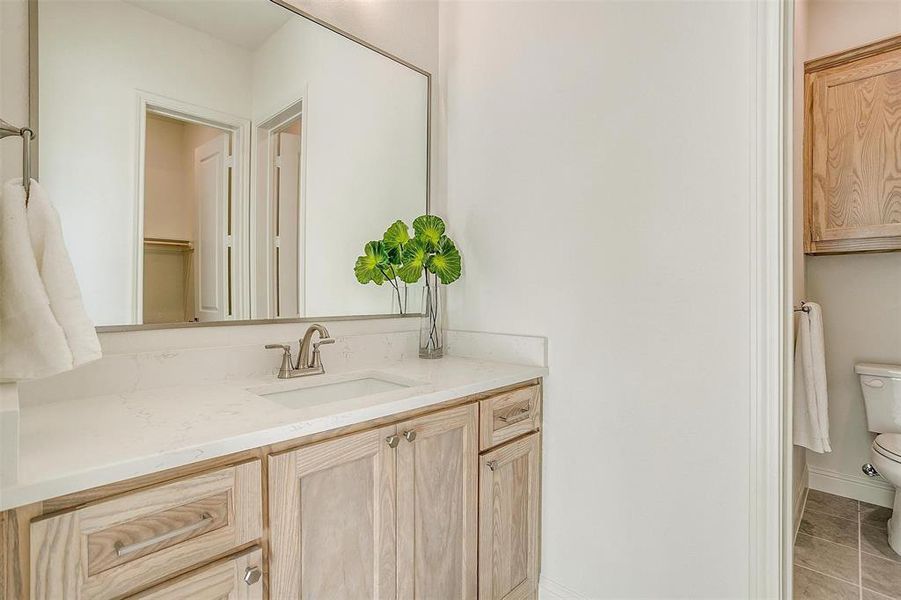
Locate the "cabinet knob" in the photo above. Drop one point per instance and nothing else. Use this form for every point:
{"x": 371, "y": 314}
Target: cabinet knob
{"x": 252, "y": 575}
{"x": 393, "y": 441}
{"x": 491, "y": 464}
{"x": 410, "y": 435}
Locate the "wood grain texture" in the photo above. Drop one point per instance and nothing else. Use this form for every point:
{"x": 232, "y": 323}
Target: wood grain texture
{"x": 332, "y": 519}
{"x": 437, "y": 506}
{"x": 60, "y": 545}
{"x": 210, "y": 513}
{"x": 15, "y": 551}
{"x": 223, "y": 580}
{"x": 853, "y": 154}
{"x": 509, "y": 496}
{"x": 847, "y": 56}
{"x": 508, "y": 415}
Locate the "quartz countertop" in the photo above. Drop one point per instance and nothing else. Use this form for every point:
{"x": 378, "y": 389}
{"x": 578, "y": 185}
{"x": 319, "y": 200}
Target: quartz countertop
{"x": 68, "y": 446}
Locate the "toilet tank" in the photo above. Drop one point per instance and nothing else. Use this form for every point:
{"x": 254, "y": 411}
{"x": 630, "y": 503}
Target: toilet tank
{"x": 881, "y": 385}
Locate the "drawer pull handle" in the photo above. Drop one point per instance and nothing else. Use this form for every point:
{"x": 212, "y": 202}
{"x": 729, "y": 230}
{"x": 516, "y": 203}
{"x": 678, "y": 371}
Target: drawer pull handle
{"x": 516, "y": 416}
{"x": 122, "y": 550}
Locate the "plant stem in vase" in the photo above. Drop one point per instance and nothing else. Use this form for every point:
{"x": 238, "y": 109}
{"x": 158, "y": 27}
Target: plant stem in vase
{"x": 431, "y": 342}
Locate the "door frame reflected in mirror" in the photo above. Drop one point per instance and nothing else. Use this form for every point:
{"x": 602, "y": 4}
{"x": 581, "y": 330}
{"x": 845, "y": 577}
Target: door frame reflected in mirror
{"x": 239, "y": 130}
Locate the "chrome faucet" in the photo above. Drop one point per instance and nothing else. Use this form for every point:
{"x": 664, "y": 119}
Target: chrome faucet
{"x": 306, "y": 364}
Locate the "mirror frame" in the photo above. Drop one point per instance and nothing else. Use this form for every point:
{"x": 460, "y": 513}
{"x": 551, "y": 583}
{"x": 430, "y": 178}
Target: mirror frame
{"x": 34, "y": 125}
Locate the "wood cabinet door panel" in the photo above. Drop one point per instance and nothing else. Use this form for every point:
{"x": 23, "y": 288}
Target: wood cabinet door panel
{"x": 853, "y": 155}
{"x": 509, "y": 491}
{"x": 437, "y": 505}
{"x": 332, "y": 519}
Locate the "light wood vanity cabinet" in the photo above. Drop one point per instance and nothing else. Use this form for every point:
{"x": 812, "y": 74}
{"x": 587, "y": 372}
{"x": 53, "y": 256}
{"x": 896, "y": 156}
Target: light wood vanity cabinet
{"x": 852, "y": 150}
{"x": 433, "y": 503}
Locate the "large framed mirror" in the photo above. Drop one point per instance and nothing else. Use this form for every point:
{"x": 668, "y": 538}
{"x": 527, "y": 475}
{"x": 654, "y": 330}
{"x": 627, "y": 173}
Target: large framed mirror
{"x": 223, "y": 160}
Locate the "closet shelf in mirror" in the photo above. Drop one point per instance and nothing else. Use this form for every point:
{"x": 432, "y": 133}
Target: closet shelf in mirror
{"x": 184, "y": 244}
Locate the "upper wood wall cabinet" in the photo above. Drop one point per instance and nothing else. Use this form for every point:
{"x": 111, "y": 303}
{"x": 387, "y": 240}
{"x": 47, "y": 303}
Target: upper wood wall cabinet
{"x": 852, "y": 150}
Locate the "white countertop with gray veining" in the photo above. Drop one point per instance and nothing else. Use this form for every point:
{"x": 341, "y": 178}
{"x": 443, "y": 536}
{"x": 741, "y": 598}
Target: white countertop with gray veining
{"x": 68, "y": 446}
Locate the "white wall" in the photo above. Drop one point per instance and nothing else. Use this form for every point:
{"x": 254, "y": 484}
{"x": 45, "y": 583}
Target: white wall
{"x": 598, "y": 185}
{"x": 364, "y": 153}
{"x": 860, "y": 293}
{"x": 408, "y": 30}
{"x": 98, "y": 54}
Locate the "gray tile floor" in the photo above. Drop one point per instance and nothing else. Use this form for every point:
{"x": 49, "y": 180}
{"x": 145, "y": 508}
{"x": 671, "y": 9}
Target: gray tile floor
{"x": 842, "y": 551}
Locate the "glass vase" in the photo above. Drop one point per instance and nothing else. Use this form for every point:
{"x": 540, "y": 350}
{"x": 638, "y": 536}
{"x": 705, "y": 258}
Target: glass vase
{"x": 431, "y": 326}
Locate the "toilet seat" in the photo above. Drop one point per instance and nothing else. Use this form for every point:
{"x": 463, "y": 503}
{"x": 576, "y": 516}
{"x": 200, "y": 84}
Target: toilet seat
{"x": 889, "y": 446}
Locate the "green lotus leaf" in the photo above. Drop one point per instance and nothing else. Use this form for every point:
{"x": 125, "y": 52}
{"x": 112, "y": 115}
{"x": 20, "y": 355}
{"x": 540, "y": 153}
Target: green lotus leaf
{"x": 446, "y": 262}
{"x": 369, "y": 266}
{"x": 394, "y": 240}
{"x": 415, "y": 257}
{"x": 429, "y": 229}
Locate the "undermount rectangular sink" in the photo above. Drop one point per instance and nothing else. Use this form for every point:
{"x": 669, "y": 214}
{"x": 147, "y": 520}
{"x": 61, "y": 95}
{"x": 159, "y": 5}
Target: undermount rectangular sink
{"x": 320, "y": 393}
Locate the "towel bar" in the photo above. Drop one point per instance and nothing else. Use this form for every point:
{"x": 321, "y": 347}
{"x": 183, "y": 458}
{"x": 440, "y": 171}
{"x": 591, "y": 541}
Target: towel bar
{"x": 7, "y": 130}
{"x": 802, "y": 308}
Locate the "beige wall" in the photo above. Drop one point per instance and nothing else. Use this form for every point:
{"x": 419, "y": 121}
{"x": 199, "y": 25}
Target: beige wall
{"x": 168, "y": 202}
{"x": 860, "y": 293}
{"x": 13, "y": 82}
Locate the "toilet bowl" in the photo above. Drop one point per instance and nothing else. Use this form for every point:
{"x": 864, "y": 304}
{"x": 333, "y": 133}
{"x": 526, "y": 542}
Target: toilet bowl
{"x": 885, "y": 455}
{"x": 881, "y": 386}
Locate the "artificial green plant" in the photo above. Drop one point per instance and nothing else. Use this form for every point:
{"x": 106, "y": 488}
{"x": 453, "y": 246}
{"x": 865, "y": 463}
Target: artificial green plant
{"x": 397, "y": 257}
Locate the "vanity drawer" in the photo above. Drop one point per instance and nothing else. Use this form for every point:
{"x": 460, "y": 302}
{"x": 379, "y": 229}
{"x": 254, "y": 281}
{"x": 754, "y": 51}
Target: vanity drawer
{"x": 115, "y": 546}
{"x": 509, "y": 415}
{"x": 238, "y": 578}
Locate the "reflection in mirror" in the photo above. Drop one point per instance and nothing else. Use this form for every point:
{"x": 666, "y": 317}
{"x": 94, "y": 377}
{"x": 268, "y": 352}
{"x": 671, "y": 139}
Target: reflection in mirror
{"x": 218, "y": 160}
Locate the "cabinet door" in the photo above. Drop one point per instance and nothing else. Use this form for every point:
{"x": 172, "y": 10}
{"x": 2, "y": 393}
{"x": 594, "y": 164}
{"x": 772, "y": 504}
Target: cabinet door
{"x": 238, "y": 578}
{"x": 437, "y": 505}
{"x": 332, "y": 519}
{"x": 509, "y": 520}
{"x": 852, "y": 175}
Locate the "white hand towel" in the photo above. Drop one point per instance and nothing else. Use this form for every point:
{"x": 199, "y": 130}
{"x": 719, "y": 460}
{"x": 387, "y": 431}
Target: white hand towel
{"x": 811, "y": 403}
{"x": 43, "y": 325}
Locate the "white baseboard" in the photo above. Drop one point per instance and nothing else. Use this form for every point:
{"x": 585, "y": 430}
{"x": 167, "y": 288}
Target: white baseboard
{"x": 863, "y": 488}
{"x": 551, "y": 590}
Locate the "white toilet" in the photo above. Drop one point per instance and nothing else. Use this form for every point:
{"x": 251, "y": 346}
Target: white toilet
{"x": 881, "y": 385}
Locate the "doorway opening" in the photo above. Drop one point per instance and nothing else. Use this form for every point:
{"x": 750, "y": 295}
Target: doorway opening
{"x": 279, "y": 230}
{"x": 188, "y": 218}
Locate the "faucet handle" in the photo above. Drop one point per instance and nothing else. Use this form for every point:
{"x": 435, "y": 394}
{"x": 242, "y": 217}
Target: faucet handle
{"x": 287, "y": 363}
{"x": 322, "y": 342}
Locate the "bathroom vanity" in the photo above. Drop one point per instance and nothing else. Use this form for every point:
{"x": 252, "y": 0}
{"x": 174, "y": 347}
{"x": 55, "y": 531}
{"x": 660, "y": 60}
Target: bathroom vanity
{"x": 180, "y": 465}
{"x": 427, "y": 484}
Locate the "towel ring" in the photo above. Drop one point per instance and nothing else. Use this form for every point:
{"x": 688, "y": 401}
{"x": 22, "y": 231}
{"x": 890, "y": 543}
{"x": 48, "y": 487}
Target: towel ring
{"x": 27, "y": 135}
{"x": 802, "y": 308}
